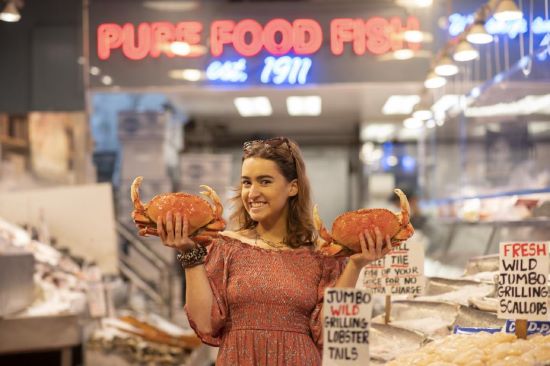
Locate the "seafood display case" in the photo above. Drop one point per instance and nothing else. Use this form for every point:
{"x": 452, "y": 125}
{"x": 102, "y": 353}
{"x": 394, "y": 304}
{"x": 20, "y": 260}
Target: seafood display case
{"x": 484, "y": 172}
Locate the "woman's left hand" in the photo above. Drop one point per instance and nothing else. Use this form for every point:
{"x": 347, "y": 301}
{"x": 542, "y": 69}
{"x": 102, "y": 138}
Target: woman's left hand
{"x": 371, "y": 249}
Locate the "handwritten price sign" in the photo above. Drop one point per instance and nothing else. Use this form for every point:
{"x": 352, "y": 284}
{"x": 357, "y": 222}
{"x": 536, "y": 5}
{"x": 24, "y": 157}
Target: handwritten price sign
{"x": 398, "y": 273}
{"x": 522, "y": 288}
{"x": 347, "y": 313}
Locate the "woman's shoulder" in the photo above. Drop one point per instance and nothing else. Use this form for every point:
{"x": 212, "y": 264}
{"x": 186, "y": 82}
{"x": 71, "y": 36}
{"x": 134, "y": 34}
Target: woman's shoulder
{"x": 241, "y": 236}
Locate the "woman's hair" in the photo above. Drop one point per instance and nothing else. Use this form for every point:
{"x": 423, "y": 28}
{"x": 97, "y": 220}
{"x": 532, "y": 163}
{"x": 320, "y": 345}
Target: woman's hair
{"x": 286, "y": 154}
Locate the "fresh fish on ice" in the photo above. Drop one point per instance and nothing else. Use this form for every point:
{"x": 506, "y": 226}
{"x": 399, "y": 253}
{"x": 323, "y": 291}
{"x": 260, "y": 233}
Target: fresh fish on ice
{"x": 484, "y": 303}
{"x": 473, "y": 318}
{"x": 386, "y": 342}
{"x": 456, "y": 291}
{"x": 433, "y": 319}
{"x": 484, "y": 263}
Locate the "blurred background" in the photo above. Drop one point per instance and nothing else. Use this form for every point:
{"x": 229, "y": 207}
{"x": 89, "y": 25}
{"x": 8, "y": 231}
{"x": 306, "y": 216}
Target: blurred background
{"x": 447, "y": 100}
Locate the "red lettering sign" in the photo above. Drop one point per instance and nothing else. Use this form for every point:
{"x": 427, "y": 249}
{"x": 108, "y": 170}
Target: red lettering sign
{"x": 524, "y": 249}
{"x": 376, "y": 34}
{"x": 278, "y": 36}
{"x": 248, "y": 37}
{"x": 151, "y": 39}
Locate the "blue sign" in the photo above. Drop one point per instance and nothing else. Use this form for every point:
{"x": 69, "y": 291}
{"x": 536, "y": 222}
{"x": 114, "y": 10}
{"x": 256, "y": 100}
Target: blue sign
{"x": 533, "y": 327}
{"x": 229, "y": 71}
{"x": 459, "y": 22}
{"x": 281, "y": 70}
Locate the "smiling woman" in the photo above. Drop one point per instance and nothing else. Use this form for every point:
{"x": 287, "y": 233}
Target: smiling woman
{"x": 258, "y": 292}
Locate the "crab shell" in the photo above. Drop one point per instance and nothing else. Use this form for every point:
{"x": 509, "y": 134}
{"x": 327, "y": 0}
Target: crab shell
{"x": 204, "y": 220}
{"x": 346, "y": 229}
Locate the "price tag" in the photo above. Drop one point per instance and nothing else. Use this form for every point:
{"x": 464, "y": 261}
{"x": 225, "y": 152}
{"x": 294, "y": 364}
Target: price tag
{"x": 522, "y": 283}
{"x": 346, "y": 319}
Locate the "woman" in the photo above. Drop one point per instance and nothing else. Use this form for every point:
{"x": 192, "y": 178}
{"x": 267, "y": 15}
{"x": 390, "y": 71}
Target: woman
{"x": 258, "y": 293}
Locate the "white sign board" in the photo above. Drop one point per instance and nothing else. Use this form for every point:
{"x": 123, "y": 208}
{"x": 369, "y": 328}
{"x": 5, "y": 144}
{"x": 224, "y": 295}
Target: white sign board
{"x": 346, "y": 321}
{"x": 522, "y": 283}
{"x": 400, "y": 272}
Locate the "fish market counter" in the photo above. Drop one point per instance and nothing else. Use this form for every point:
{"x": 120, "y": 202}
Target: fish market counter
{"x": 59, "y": 335}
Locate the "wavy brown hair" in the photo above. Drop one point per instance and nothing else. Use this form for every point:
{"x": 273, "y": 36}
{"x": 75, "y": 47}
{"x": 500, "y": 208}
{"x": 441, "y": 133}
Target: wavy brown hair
{"x": 288, "y": 157}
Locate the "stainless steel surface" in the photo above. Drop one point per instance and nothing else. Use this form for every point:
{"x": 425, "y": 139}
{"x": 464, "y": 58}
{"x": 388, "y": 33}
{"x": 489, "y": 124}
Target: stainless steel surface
{"x": 16, "y": 282}
{"x": 39, "y": 333}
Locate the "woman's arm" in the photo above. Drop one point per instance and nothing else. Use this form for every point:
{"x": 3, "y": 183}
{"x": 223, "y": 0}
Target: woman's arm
{"x": 197, "y": 289}
{"x": 371, "y": 250}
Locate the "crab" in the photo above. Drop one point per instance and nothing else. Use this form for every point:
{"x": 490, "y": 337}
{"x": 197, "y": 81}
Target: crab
{"x": 205, "y": 220}
{"x": 347, "y": 227}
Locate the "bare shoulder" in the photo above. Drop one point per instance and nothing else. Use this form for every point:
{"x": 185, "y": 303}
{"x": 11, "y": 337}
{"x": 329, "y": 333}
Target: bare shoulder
{"x": 241, "y": 235}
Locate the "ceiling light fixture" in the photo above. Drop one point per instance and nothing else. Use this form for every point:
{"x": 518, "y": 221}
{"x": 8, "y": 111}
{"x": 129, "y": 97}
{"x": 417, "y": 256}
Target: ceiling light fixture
{"x": 434, "y": 81}
{"x": 422, "y": 112}
{"x": 180, "y": 48}
{"x": 10, "y": 13}
{"x": 403, "y": 54}
{"x": 478, "y": 35}
{"x": 413, "y": 123}
{"x": 446, "y": 67}
{"x": 465, "y": 52}
{"x": 414, "y": 3}
{"x": 507, "y": 10}
{"x": 400, "y": 104}
{"x": 253, "y": 107}
{"x": 304, "y": 105}
{"x": 187, "y": 74}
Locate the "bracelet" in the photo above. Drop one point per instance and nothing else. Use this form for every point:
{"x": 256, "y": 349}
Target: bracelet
{"x": 193, "y": 257}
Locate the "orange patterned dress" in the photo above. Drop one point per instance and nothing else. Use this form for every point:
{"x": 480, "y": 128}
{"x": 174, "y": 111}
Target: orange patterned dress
{"x": 267, "y": 307}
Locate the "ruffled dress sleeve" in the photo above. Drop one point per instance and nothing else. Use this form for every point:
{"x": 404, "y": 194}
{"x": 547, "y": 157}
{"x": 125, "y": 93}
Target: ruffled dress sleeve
{"x": 332, "y": 268}
{"x": 216, "y": 264}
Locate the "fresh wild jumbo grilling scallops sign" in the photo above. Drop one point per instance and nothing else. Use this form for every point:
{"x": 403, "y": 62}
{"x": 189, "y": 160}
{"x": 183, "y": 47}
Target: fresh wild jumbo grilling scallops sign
{"x": 522, "y": 283}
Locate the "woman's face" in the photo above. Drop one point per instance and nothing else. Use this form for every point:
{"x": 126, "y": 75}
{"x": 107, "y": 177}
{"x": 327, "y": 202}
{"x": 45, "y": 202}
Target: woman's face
{"x": 265, "y": 191}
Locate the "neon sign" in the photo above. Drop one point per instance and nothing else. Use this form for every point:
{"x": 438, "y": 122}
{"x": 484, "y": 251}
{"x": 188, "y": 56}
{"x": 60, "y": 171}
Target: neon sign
{"x": 231, "y": 71}
{"x": 292, "y": 70}
{"x": 303, "y": 36}
{"x": 459, "y": 22}
{"x": 286, "y": 69}
{"x": 248, "y": 37}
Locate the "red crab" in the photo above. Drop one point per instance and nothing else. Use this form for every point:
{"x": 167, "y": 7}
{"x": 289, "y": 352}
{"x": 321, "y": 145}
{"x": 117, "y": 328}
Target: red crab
{"x": 347, "y": 227}
{"x": 204, "y": 220}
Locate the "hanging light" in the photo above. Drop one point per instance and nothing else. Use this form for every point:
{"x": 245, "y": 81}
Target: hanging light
{"x": 465, "y": 52}
{"x": 478, "y": 35}
{"x": 413, "y": 123}
{"x": 434, "y": 81}
{"x": 403, "y": 54}
{"x": 422, "y": 112}
{"x": 10, "y": 13}
{"x": 446, "y": 67}
{"x": 507, "y": 10}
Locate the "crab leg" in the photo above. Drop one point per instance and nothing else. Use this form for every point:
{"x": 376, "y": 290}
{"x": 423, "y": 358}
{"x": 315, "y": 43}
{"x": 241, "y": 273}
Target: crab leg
{"x": 405, "y": 208}
{"x": 210, "y": 193}
{"x": 134, "y": 193}
{"x": 323, "y": 232}
{"x": 148, "y": 231}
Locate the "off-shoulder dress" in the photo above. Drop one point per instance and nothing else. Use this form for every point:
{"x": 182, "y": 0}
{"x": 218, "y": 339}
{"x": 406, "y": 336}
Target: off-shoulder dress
{"x": 267, "y": 303}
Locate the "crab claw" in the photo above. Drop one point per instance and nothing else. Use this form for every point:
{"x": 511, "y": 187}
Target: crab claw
{"x": 335, "y": 250}
{"x": 320, "y": 226}
{"x": 405, "y": 208}
{"x": 134, "y": 193}
{"x": 138, "y": 214}
{"x": 210, "y": 193}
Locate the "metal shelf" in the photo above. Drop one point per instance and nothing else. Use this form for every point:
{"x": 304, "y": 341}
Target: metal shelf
{"x": 520, "y": 192}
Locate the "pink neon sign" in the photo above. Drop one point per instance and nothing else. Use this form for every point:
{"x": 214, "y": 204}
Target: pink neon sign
{"x": 248, "y": 37}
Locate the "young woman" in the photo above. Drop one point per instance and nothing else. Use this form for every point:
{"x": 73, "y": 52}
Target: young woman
{"x": 258, "y": 292}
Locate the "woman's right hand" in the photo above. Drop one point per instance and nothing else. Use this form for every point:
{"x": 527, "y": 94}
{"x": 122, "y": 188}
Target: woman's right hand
{"x": 174, "y": 232}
